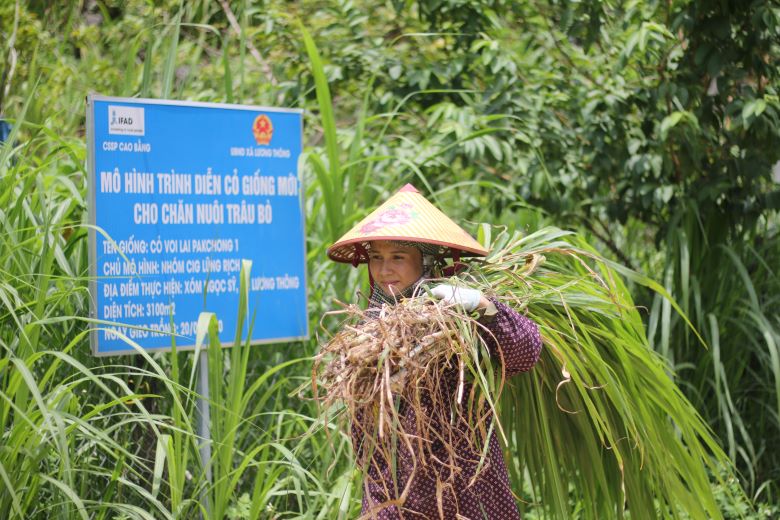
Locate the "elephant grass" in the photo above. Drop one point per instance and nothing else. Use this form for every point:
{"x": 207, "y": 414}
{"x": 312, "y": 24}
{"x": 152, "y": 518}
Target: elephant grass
{"x": 600, "y": 421}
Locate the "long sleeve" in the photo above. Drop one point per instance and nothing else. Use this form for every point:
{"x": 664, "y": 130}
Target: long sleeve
{"x": 519, "y": 343}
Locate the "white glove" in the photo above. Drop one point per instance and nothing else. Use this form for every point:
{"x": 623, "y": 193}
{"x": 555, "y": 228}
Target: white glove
{"x": 467, "y": 298}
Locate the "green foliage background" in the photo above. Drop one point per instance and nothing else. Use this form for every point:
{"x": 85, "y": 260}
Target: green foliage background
{"x": 650, "y": 127}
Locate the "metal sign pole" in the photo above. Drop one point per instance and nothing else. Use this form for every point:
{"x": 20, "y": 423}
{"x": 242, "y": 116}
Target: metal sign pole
{"x": 204, "y": 428}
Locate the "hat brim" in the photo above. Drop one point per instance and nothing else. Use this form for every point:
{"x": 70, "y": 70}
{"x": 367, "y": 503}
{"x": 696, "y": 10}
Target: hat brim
{"x": 347, "y": 251}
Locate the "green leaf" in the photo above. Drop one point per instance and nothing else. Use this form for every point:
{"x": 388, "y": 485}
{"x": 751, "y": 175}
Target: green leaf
{"x": 169, "y": 70}
{"x": 753, "y": 109}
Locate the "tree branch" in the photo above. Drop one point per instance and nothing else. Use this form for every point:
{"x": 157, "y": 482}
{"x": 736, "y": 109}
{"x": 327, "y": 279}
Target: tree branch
{"x": 610, "y": 244}
{"x": 252, "y": 49}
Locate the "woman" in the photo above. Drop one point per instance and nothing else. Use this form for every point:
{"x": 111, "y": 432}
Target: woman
{"x": 401, "y": 241}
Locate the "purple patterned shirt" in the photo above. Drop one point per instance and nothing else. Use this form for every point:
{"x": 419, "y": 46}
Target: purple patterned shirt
{"x": 489, "y": 496}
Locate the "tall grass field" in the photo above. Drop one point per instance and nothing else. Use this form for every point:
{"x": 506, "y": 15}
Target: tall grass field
{"x": 506, "y": 115}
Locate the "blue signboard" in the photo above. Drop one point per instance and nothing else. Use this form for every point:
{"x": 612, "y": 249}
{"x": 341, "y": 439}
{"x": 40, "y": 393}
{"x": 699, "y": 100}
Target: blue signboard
{"x": 180, "y": 193}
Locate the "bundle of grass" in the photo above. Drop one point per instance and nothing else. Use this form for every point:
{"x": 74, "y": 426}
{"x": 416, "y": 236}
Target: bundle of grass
{"x": 598, "y": 429}
{"x": 405, "y": 375}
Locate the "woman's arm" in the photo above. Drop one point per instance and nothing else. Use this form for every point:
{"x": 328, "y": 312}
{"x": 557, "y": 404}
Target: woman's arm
{"x": 511, "y": 337}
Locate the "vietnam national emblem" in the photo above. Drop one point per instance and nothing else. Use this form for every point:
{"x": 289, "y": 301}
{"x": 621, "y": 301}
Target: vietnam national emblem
{"x": 263, "y": 129}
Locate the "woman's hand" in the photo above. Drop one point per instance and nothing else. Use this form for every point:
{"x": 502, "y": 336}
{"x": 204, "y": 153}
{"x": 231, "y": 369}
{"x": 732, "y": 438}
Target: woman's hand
{"x": 469, "y": 299}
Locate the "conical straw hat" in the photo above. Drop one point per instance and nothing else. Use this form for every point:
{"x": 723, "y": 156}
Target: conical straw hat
{"x": 405, "y": 216}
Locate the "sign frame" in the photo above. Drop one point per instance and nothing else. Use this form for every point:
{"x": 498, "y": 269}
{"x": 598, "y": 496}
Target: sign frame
{"x": 92, "y": 229}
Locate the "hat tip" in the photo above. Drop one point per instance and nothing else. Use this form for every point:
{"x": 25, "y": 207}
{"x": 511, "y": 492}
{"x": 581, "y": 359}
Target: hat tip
{"x": 408, "y": 188}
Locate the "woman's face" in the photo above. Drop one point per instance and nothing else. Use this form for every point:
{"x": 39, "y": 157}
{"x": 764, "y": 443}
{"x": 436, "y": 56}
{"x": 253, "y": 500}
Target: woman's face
{"x": 393, "y": 266}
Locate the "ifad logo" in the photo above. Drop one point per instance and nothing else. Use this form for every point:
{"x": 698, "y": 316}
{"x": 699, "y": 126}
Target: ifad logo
{"x": 263, "y": 129}
{"x": 125, "y": 120}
